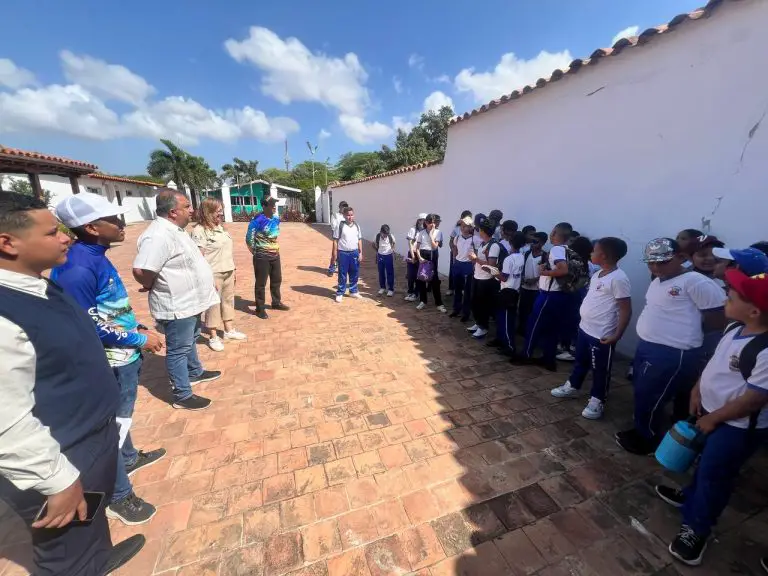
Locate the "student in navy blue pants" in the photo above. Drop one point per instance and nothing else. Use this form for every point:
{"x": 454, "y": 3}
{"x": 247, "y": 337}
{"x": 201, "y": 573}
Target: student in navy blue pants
{"x": 463, "y": 269}
{"x": 386, "y": 264}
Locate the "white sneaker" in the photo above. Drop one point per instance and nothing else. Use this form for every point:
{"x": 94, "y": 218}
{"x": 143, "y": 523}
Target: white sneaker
{"x": 408, "y": 297}
{"x": 355, "y": 295}
{"x": 216, "y": 344}
{"x": 565, "y": 391}
{"x": 442, "y": 309}
{"x": 390, "y": 293}
{"x": 382, "y": 291}
{"x": 421, "y": 306}
{"x": 480, "y": 333}
{"x": 339, "y": 298}
{"x": 594, "y": 409}
{"x": 565, "y": 356}
{"x": 234, "y": 335}
{"x": 473, "y": 328}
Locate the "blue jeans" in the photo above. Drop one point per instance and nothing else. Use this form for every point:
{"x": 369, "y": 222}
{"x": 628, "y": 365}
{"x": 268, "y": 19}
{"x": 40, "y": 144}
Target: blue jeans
{"x": 591, "y": 354}
{"x": 725, "y": 452}
{"x": 181, "y": 360}
{"x": 128, "y": 379}
{"x": 659, "y": 372}
{"x": 463, "y": 278}
{"x": 386, "y": 264}
{"x": 544, "y": 323}
{"x": 349, "y": 266}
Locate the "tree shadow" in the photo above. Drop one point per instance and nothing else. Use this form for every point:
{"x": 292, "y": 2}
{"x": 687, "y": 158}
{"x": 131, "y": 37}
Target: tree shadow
{"x": 154, "y": 377}
{"x": 317, "y": 269}
{"x": 244, "y": 305}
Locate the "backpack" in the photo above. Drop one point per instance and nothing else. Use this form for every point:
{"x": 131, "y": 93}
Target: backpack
{"x": 503, "y": 253}
{"x": 378, "y": 237}
{"x": 578, "y": 273}
{"x": 345, "y": 223}
{"x": 748, "y": 359}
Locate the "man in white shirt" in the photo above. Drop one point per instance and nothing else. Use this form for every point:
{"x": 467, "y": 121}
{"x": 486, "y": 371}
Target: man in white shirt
{"x": 551, "y": 304}
{"x": 680, "y": 306}
{"x": 181, "y": 287}
{"x": 348, "y": 247}
{"x": 335, "y": 219}
{"x": 58, "y": 436}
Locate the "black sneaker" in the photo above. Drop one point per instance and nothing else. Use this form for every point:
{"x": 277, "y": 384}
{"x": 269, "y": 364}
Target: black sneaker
{"x": 281, "y": 307}
{"x": 688, "y": 547}
{"x": 124, "y": 552}
{"x": 764, "y": 563}
{"x": 131, "y": 510}
{"x": 635, "y": 443}
{"x": 194, "y": 402}
{"x": 453, "y": 315}
{"x": 206, "y": 376}
{"x": 261, "y": 313}
{"x": 671, "y": 496}
{"x": 145, "y": 459}
{"x": 495, "y": 343}
{"x": 464, "y": 319}
{"x": 549, "y": 366}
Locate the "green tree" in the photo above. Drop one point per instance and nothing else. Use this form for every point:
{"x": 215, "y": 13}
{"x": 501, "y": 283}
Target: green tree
{"x": 22, "y": 186}
{"x": 426, "y": 142}
{"x": 186, "y": 170}
{"x": 241, "y": 172}
{"x": 354, "y": 165}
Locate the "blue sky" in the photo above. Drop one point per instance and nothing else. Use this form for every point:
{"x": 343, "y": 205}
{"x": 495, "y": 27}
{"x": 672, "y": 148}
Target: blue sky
{"x": 102, "y": 81}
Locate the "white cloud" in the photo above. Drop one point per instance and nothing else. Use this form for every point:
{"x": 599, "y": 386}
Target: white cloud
{"x": 293, "y": 73}
{"x": 110, "y": 81}
{"x": 323, "y": 135}
{"x": 69, "y": 109}
{"x": 364, "y": 132}
{"x": 400, "y": 123}
{"x": 442, "y": 79}
{"x": 626, "y": 33}
{"x": 437, "y": 100}
{"x": 14, "y": 77}
{"x": 398, "y": 84}
{"x": 416, "y": 61}
{"x": 511, "y": 73}
{"x": 80, "y": 110}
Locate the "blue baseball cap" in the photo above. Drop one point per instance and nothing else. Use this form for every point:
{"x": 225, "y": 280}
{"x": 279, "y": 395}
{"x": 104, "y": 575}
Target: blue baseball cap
{"x": 751, "y": 261}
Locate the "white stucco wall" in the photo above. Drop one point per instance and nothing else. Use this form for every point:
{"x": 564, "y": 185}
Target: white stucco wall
{"x": 670, "y": 141}
{"x": 139, "y": 199}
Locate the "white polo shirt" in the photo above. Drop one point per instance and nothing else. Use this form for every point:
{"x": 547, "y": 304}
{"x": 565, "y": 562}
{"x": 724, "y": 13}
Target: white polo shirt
{"x": 386, "y": 247}
{"x": 600, "y": 310}
{"x": 672, "y": 313}
{"x": 531, "y": 272}
{"x": 548, "y": 283}
{"x": 513, "y": 266}
{"x": 464, "y": 247}
{"x": 493, "y": 252}
{"x": 424, "y": 240}
{"x": 184, "y": 286}
{"x": 722, "y": 382}
{"x": 348, "y": 236}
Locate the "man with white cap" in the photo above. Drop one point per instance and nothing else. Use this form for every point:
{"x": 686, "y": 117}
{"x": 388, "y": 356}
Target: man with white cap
{"x": 94, "y": 283}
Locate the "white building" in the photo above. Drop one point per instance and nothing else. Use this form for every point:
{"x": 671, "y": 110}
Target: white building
{"x": 136, "y": 195}
{"x": 662, "y": 132}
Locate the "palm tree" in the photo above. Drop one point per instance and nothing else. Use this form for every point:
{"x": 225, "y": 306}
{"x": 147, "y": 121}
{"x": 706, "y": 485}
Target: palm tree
{"x": 241, "y": 171}
{"x": 187, "y": 171}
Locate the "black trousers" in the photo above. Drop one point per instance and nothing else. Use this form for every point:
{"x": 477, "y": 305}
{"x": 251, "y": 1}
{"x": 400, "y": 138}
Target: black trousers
{"x": 484, "y": 301}
{"x": 434, "y": 284}
{"x": 75, "y": 550}
{"x": 263, "y": 269}
{"x": 527, "y": 299}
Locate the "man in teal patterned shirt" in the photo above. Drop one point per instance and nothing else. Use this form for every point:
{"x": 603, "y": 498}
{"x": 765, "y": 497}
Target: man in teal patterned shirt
{"x": 261, "y": 239}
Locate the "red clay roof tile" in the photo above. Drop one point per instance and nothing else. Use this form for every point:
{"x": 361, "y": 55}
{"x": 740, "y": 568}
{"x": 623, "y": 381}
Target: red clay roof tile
{"x": 45, "y": 157}
{"x": 100, "y": 176}
{"x": 385, "y": 174}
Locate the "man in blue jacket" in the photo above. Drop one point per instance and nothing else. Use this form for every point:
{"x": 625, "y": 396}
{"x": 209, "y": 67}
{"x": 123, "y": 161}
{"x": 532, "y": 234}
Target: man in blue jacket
{"x": 91, "y": 279}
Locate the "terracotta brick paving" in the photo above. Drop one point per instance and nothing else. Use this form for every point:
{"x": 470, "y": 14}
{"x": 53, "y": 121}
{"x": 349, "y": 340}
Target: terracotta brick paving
{"x": 370, "y": 439}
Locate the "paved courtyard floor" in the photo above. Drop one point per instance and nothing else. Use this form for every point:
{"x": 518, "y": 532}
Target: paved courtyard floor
{"x": 369, "y": 439}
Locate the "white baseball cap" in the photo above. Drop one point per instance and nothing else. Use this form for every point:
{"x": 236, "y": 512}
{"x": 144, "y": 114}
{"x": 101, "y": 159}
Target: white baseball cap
{"x": 84, "y": 208}
{"x": 423, "y": 216}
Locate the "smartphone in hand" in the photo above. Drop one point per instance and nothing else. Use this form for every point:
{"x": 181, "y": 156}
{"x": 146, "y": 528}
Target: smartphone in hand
{"x": 92, "y": 499}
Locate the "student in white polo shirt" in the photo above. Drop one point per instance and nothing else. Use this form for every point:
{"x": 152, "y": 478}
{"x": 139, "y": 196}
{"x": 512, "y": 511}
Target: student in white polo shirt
{"x": 455, "y": 233}
{"x": 463, "y": 269}
{"x": 335, "y": 219}
{"x": 348, "y": 247}
{"x": 510, "y": 278}
{"x": 427, "y": 243}
{"x": 680, "y": 306}
{"x": 529, "y": 289}
{"x": 605, "y": 314}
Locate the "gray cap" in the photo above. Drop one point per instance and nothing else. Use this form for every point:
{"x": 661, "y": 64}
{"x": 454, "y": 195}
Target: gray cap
{"x": 659, "y": 250}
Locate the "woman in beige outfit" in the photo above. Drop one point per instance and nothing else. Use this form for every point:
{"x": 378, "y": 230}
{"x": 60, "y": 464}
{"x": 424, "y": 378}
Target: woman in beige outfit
{"x": 216, "y": 245}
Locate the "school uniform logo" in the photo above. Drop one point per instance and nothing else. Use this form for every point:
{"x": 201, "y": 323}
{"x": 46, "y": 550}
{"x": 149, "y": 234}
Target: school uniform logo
{"x": 599, "y": 286}
{"x": 733, "y": 363}
{"x": 675, "y": 291}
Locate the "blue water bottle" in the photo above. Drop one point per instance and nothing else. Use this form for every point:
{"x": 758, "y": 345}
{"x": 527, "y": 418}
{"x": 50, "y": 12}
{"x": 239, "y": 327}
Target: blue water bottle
{"x": 680, "y": 447}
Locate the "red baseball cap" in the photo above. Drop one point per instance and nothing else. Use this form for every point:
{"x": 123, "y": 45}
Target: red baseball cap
{"x": 752, "y": 288}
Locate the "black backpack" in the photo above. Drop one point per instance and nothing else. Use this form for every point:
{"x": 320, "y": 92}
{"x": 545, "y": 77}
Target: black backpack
{"x": 748, "y": 359}
{"x": 378, "y": 237}
{"x": 578, "y": 273}
{"x": 503, "y": 253}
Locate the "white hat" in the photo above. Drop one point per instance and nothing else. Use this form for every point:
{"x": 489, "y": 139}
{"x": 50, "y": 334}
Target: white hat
{"x": 84, "y": 208}
{"x": 423, "y": 216}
